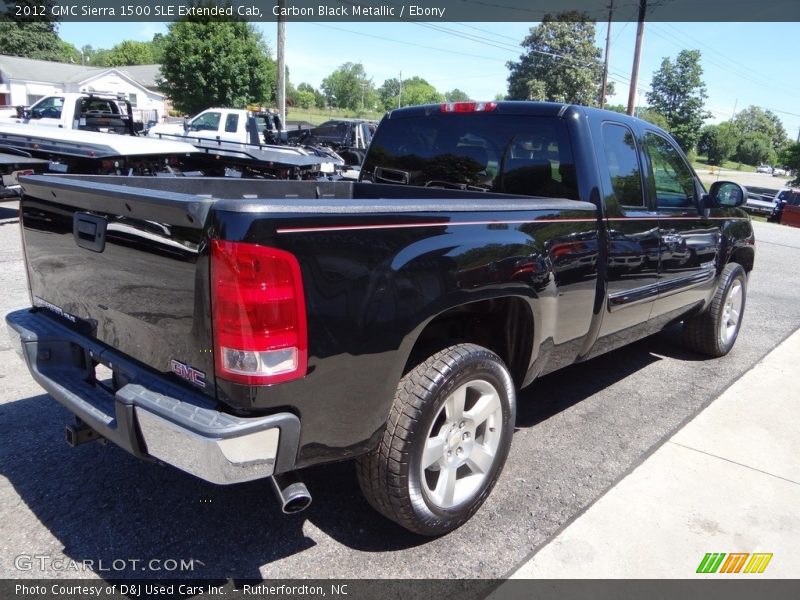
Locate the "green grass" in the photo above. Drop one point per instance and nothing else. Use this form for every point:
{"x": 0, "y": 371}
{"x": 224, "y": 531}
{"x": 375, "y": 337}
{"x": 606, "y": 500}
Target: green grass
{"x": 315, "y": 116}
{"x": 701, "y": 162}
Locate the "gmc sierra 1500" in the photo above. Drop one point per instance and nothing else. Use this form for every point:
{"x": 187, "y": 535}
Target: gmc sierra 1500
{"x": 247, "y": 329}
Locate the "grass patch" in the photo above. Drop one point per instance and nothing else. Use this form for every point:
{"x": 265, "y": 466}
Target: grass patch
{"x": 315, "y": 116}
{"x": 701, "y": 162}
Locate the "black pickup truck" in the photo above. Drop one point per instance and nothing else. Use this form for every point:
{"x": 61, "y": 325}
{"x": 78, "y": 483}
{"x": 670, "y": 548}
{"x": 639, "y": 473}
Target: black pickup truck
{"x": 247, "y": 329}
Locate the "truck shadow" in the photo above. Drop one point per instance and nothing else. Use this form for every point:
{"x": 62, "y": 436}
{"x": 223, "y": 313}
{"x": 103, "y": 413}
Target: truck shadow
{"x": 564, "y": 388}
{"x": 104, "y": 505}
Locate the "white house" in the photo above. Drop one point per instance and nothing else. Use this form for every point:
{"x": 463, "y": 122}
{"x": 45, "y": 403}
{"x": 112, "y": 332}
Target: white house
{"x": 23, "y": 81}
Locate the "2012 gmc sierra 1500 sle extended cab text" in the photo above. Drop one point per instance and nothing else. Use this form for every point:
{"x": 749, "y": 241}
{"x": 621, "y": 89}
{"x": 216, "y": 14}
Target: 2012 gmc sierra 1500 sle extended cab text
{"x": 247, "y": 329}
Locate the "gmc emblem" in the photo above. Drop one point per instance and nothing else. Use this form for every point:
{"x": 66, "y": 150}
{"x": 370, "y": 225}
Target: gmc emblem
{"x": 188, "y": 373}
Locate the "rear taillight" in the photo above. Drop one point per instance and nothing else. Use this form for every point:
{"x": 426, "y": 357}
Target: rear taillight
{"x": 258, "y": 314}
{"x": 466, "y": 107}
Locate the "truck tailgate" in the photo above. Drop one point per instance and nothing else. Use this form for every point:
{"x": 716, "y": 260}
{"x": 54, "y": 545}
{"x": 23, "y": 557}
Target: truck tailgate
{"x": 138, "y": 285}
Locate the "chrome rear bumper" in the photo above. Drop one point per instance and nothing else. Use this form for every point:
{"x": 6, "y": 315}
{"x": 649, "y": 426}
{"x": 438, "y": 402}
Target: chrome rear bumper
{"x": 151, "y": 416}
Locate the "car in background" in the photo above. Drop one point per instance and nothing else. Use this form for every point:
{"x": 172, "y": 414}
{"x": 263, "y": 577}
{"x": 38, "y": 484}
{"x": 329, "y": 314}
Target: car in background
{"x": 764, "y": 169}
{"x": 786, "y": 197}
{"x": 778, "y": 171}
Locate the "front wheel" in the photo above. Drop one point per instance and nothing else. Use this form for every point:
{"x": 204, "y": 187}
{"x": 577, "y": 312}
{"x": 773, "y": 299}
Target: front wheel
{"x": 714, "y": 331}
{"x": 446, "y": 441}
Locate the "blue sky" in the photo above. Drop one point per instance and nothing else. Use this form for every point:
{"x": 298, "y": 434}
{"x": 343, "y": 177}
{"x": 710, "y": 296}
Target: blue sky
{"x": 744, "y": 63}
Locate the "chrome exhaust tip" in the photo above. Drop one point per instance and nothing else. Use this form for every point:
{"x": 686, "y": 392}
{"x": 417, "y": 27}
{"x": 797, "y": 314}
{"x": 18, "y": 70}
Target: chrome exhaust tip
{"x": 292, "y": 493}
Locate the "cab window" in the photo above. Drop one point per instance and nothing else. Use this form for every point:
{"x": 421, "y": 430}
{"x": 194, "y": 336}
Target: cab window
{"x": 48, "y": 108}
{"x": 672, "y": 178}
{"x": 529, "y": 156}
{"x": 623, "y": 165}
{"x": 207, "y": 122}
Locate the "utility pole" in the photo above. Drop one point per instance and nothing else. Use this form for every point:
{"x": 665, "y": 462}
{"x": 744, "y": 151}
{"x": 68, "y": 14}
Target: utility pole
{"x": 282, "y": 61}
{"x": 636, "y": 56}
{"x": 400, "y": 91}
{"x": 605, "y": 62}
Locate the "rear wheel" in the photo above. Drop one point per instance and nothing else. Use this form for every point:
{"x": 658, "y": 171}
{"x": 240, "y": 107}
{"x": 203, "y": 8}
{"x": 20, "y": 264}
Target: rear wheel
{"x": 714, "y": 331}
{"x": 445, "y": 443}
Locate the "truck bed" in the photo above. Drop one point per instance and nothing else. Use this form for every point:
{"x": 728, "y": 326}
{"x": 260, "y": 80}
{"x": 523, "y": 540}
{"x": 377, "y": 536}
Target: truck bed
{"x": 374, "y": 257}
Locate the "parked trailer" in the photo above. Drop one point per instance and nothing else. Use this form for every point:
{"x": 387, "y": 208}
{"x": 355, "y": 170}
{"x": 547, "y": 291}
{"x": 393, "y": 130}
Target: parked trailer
{"x": 226, "y": 158}
{"x": 13, "y": 164}
{"x": 85, "y": 152}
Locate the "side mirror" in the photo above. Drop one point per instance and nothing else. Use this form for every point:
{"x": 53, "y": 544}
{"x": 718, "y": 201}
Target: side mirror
{"x": 185, "y": 124}
{"x": 727, "y": 194}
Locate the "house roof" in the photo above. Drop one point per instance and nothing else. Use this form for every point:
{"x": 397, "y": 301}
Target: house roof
{"x": 145, "y": 75}
{"x": 16, "y": 67}
{"x": 29, "y": 69}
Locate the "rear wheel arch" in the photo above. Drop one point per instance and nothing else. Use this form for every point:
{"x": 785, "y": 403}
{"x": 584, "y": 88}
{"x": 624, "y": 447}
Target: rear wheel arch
{"x": 504, "y": 324}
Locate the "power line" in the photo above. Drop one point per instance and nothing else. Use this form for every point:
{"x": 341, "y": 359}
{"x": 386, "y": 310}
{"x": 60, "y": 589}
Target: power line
{"x": 719, "y": 59}
{"x": 407, "y": 43}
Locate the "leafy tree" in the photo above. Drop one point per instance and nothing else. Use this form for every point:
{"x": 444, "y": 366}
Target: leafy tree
{"x": 754, "y": 149}
{"x": 414, "y": 90}
{"x": 34, "y": 36}
{"x": 756, "y": 120}
{"x": 456, "y": 95}
{"x": 68, "y": 53}
{"x": 617, "y": 108}
{"x": 790, "y": 158}
{"x": 130, "y": 52}
{"x": 349, "y": 87}
{"x": 157, "y": 45}
{"x": 418, "y": 91}
{"x": 678, "y": 93}
{"x": 717, "y": 142}
{"x": 305, "y": 99}
{"x": 318, "y": 97}
{"x": 561, "y": 62}
{"x": 216, "y": 63}
{"x": 656, "y": 118}
{"x": 389, "y": 92}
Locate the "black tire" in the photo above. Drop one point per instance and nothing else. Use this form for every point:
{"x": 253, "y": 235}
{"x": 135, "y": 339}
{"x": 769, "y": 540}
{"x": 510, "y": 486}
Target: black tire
{"x": 705, "y": 332}
{"x": 473, "y": 451}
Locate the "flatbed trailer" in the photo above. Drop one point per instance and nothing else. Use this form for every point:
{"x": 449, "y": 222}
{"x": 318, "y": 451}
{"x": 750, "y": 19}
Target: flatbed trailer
{"x": 12, "y": 165}
{"x": 221, "y": 158}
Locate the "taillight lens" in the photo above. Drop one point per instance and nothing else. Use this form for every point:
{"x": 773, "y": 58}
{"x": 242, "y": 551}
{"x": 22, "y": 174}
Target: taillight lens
{"x": 258, "y": 314}
{"x": 466, "y": 107}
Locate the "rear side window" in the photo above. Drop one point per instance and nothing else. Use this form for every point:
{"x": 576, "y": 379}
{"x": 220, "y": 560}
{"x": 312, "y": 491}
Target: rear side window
{"x": 231, "y": 123}
{"x": 511, "y": 154}
{"x": 622, "y": 160}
